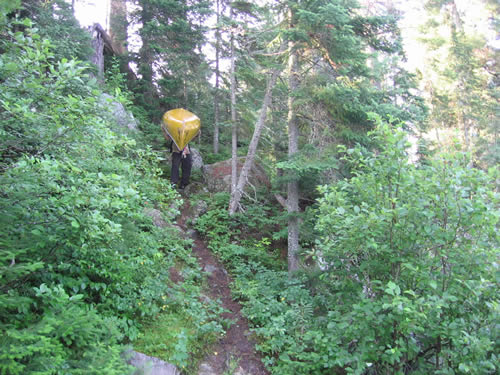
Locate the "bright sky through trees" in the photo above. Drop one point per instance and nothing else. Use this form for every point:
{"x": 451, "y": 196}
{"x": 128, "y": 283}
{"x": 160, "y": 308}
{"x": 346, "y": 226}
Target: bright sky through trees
{"x": 89, "y": 12}
{"x": 92, "y": 11}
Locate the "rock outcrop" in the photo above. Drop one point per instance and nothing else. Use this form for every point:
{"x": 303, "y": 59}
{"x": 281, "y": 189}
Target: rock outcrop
{"x": 117, "y": 112}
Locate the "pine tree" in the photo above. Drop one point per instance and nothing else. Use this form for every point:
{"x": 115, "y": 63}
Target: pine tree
{"x": 460, "y": 76}
{"x": 217, "y": 76}
{"x": 170, "y": 62}
{"x": 330, "y": 83}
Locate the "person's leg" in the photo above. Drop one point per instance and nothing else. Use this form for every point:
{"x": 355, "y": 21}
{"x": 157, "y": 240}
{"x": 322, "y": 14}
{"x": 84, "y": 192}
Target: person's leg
{"x": 186, "y": 165}
{"x": 176, "y": 160}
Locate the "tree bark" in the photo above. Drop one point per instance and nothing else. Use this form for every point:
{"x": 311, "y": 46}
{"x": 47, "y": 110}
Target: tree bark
{"x": 234, "y": 137}
{"x": 98, "y": 36}
{"x": 217, "y": 82}
{"x": 146, "y": 55}
{"x": 252, "y": 148}
{"x": 118, "y": 25}
{"x": 293, "y": 141}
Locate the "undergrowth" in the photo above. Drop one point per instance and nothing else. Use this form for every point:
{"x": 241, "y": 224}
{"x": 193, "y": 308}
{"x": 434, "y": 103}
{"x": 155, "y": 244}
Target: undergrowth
{"x": 83, "y": 268}
{"x": 404, "y": 272}
{"x": 187, "y": 323}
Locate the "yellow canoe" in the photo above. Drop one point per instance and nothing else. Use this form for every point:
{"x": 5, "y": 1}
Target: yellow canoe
{"x": 181, "y": 126}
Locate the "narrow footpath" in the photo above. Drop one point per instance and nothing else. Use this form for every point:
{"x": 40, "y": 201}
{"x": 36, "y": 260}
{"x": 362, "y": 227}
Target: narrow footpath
{"x": 233, "y": 354}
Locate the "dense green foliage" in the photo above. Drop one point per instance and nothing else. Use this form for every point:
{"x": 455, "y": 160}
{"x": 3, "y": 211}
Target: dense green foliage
{"x": 82, "y": 266}
{"x": 411, "y": 254}
{"x": 407, "y": 273}
{"x": 172, "y": 32}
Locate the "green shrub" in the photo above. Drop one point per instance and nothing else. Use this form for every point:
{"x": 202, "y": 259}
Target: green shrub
{"x": 64, "y": 335}
{"x": 408, "y": 271}
{"x": 411, "y": 257}
{"x": 82, "y": 264}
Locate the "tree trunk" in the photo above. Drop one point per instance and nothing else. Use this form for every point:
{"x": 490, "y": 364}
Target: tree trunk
{"x": 118, "y": 25}
{"x": 252, "y": 148}
{"x": 234, "y": 138}
{"x": 98, "y": 45}
{"x": 217, "y": 82}
{"x": 146, "y": 56}
{"x": 293, "y": 141}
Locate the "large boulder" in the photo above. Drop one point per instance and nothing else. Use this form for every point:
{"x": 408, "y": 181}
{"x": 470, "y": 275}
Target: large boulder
{"x": 117, "y": 112}
{"x": 217, "y": 176}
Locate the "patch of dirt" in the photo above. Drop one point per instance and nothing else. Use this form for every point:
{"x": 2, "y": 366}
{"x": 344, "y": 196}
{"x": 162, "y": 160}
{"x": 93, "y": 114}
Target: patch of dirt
{"x": 237, "y": 344}
{"x": 175, "y": 276}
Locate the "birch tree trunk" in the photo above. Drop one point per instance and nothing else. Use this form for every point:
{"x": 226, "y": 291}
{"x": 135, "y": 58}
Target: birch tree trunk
{"x": 252, "y": 148}
{"x": 293, "y": 141}
{"x": 234, "y": 137}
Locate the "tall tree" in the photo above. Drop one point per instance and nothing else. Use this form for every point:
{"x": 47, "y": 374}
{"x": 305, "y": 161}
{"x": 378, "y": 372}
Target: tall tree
{"x": 171, "y": 66}
{"x": 457, "y": 74}
{"x": 239, "y": 9}
{"x": 146, "y": 52}
{"x": 234, "y": 125}
{"x": 293, "y": 148}
{"x": 118, "y": 25}
{"x": 217, "y": 78}
{"x": 237, "y": 193}
{"x": 330, "y": 89}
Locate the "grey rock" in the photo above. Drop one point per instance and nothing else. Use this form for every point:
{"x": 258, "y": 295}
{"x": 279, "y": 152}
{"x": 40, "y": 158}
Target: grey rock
{"x": 240, "y": 371}
{"x": 198, "y": 209}
{"x": 191, "y": 233}
{"x": 151, "y": 365}
{"x": 210, "y": 269}
{"x": 117, "y": 112}
{"x": 157, "y": 217}
{"x": 206, "y": 299}
{"x": 197, "y": 159}
{"x": 206, "y": 369}
{"x": 160, "y": 222}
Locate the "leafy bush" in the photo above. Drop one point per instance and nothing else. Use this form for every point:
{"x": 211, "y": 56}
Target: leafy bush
{"x": 407, "y": 274}
{"x": 410, "y": 253}
{"x": 82, "y": 265}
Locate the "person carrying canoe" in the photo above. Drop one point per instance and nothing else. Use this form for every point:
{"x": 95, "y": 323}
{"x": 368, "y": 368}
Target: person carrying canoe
{"x": 180, "y": 127}
{"x": 183, "y": 159}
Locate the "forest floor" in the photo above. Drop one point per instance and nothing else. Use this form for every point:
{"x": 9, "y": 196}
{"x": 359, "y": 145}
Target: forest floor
{"x": 234, "y": 353}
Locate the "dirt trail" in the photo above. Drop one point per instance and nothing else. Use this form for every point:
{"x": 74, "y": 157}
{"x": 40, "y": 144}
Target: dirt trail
{"x": 235, "y": 352}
